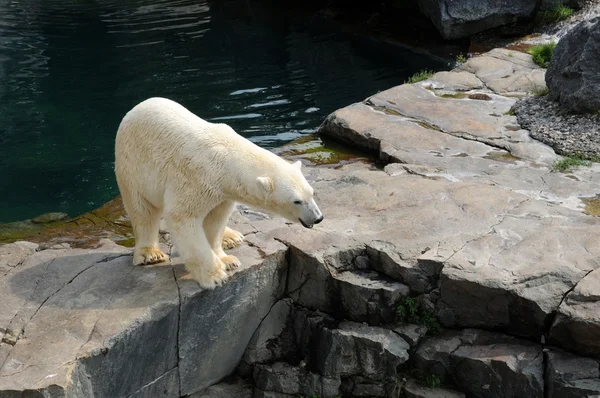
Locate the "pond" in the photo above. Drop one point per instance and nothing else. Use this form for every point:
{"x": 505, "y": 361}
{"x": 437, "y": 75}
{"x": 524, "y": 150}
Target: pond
{"x": 70, "y": 70}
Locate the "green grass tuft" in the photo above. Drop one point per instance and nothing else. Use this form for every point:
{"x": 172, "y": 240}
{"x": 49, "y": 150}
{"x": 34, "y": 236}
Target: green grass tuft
{"x": 420, "y": 76}
{"x": 558, "y": 13}
{"x": 461, "y": 59}
{"x": 433, "y": 381}
{"x": 567, "y": 163}
{"x": 542, "y": 54}
{"x": 409, "y": 311}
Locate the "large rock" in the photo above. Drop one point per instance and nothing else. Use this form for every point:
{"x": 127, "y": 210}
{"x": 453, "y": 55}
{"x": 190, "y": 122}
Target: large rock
{"x": 460, "y": 18}
{"x": 357, "y": 350}
{"x": 573, "y": 76}
{"x": 81, "y": 323}
{"x": 216, "y": 326}
{"x": 74, "y": 319}
{"x": 577, "y": 323}
{"x": 570, "y": 376}
{"x": 292, "y": 380}
{"x": 484, "y": 364}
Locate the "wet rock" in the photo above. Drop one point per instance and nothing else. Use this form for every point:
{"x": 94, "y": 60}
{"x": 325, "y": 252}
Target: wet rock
{"x": 577, "y": 323}
{"x": 355, "y": 349}
{"x": 570, "y": 376}
{"x": 572, "y": 76}
{"x": 49, "y": 217}
{"x": 484, "y": 364}
{"x": 462, "y": 18}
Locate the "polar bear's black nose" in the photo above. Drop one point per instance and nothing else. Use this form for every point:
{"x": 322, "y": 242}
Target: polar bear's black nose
{"x": 318, "y": 220}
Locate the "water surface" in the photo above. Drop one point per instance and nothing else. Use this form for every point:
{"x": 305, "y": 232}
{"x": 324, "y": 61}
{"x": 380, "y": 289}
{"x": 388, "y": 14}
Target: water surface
{"x": 70, "y": 70}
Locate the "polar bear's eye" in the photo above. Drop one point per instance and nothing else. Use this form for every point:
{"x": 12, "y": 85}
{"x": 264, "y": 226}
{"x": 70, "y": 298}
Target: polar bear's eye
{"x": 297, "y": 202}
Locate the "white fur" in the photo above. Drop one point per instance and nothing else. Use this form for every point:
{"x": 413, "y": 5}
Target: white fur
{"x": 171, "y": 162}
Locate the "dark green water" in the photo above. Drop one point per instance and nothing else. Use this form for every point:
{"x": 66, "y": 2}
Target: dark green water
{"x": 71, "y": 69}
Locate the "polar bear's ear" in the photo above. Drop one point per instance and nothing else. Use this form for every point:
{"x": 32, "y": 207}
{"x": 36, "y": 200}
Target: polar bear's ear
{"x": 265, "y": 183}
{"x": 298, "y": 165}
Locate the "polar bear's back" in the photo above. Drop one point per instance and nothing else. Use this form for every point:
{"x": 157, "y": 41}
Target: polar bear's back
{"x": 160, "y": 142}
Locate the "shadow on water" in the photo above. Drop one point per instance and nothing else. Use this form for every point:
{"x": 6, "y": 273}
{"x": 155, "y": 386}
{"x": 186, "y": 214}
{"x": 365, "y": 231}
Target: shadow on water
{"x": 69, "y": 71}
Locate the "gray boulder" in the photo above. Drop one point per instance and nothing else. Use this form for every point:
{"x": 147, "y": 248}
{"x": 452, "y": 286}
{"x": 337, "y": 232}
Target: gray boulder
{"x": 573, "y": 77}
{"x": 460, "y": 18}
{"x": 484, "y": 364}
{"x": 570, "y": 376}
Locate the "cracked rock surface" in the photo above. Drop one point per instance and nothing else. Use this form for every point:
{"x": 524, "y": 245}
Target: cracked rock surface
{"x": 466, "y": 218}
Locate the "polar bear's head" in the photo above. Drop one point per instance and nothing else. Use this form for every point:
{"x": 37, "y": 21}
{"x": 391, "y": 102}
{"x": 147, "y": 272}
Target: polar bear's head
{"x": 289, "y": 195}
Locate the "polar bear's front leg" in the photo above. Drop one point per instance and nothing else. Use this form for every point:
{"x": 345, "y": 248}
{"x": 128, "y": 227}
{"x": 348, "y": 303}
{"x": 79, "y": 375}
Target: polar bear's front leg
{"x": 202, "y": 262}
{"x": 215, "y": 224}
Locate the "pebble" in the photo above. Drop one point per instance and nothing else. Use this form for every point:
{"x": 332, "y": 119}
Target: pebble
{"x": 566, "y": 132}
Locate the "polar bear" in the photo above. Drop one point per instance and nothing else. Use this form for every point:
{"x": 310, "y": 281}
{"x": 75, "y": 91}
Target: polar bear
{"x": 170, "y": 162}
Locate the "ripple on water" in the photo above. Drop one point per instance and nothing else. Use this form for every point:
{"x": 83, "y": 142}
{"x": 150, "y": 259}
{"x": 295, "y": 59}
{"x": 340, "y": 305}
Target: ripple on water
{"x": 70, "y": 70}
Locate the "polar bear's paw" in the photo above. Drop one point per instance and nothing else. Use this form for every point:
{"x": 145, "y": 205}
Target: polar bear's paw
{"x": 148, "y": 255}
{"x": 209, "y": 277}
{"x": 231, "y": 262}
{"x": 231, "y": 238}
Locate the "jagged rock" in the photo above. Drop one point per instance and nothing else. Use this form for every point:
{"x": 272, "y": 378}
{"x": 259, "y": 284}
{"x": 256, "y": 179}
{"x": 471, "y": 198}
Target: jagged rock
{"x": 570, "y": 376}
{"x": 412, "y": 334}
{"x": 484, "y": 364}
{"x": 338, "y": 284}
{"x": 355, "y": 349}
{"x": 515, "y": 277}
{"x": 284, "y": 378}
{"x": 217, "y": 325}
{"x": 308, "y": 326}
{"x": 412, "y": 389}
{"x": 461, "y": 18}
{"x": 572, "y": 76}
{"x": 273, "y": 340}
{"x": 577, "y": 323}
{"x": 362, "y": 387}
{"x": 367, "y": 297}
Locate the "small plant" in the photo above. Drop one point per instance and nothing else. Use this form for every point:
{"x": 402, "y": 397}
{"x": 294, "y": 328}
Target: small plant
{"x": 558, "y": 13}
{"x": 433, "y": 381}
{"x": 461, "y": 59}
{"x": 420, "y": 76}
{"x": 567, "y": 163}
{"x": 409, "y": 311}
{"x": 542, "y": 54}
{"x": 540, "y": 91}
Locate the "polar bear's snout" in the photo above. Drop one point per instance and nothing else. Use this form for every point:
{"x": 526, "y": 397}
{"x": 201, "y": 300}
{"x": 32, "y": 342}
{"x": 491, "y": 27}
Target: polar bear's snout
{"x": 311, "y": 215}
